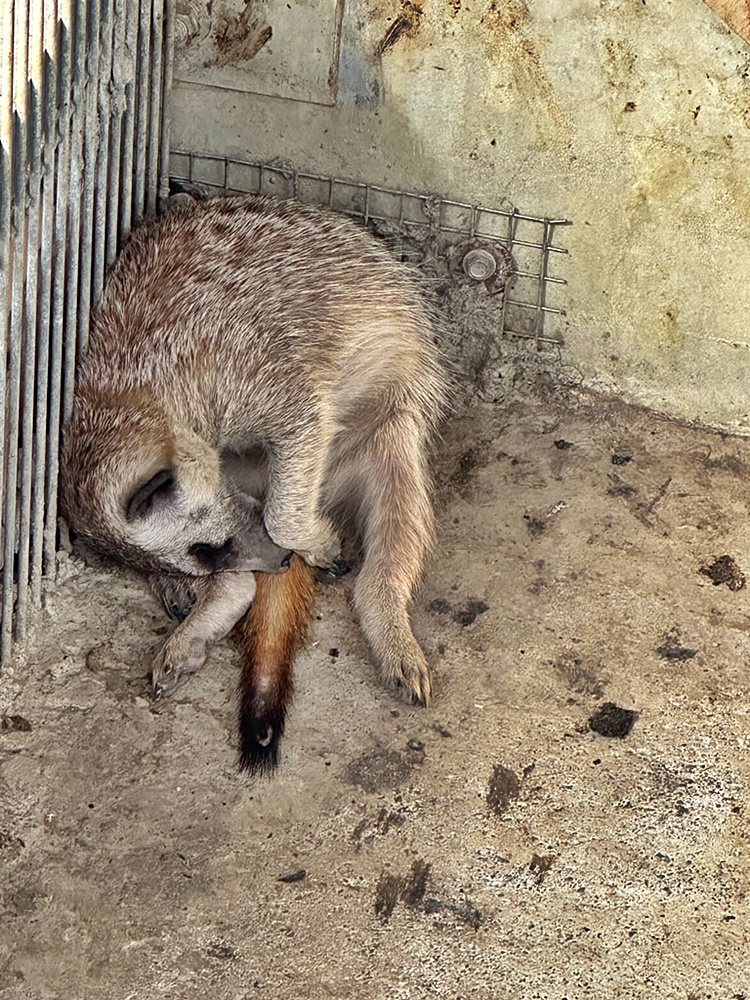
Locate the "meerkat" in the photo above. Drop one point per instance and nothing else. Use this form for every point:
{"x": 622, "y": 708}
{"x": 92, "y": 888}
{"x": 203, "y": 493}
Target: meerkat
{"x": 259, "y": 375}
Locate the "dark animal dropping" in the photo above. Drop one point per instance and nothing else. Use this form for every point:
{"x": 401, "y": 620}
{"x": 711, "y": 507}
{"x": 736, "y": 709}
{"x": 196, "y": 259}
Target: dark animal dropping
{"x": 611, "y": 720}
{"x": 15, "y": 723}
{"x": 724, "y": 570}
{"x": 293, "y": 876}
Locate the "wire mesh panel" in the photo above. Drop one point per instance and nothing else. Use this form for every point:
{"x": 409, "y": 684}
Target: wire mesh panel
{"x": 479, "y": 242}
{"x": 82, "y": 139}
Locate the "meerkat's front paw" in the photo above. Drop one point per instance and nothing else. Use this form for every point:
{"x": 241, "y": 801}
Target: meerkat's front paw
{"x": 174, "y": 664}
{"x": 177, "y": 594}
{"x": 339, "y": 567}
{"x": 410, "y": 672}
{"x": 319, "y": 547}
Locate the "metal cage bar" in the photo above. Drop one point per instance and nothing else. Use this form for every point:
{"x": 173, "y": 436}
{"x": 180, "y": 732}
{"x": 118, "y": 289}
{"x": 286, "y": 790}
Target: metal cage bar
{"x": 34, "y": 180}
{"x": 83, "y": 91}
{"x": 44, "y": 312}
{"x": 19, "y": 127}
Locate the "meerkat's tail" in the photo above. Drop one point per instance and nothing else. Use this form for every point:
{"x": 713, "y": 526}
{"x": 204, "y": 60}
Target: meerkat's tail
{"x": 271, "y": 634}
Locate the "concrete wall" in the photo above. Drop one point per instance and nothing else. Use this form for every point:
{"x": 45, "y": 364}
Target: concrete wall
{"x": 629, "y": 117}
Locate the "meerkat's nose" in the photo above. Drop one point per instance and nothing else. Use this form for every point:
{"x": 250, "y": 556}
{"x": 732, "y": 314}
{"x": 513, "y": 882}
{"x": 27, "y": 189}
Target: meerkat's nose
{"x": 214, "y": 557}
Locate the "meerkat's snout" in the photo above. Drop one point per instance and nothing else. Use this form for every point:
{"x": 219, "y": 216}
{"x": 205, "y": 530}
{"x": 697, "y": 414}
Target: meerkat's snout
{"x": 215, "y": 557}
{"x": 252, "y": 548}
{"x": 229, "y": 556}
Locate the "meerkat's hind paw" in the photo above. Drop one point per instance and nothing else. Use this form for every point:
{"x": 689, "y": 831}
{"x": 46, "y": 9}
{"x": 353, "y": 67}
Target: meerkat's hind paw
{"x": 411, "y": 674}
{"x": 419, "y": 697}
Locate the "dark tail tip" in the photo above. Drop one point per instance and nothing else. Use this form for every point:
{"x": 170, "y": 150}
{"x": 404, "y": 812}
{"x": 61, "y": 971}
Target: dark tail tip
{"x": 260, "y": 736}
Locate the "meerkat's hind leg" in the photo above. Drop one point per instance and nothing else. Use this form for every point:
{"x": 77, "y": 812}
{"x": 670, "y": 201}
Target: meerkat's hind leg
{"x": 398, "y": 532}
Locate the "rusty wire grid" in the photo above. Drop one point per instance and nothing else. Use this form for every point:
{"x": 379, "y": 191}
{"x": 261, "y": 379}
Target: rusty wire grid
{"x": 420, "y": 227}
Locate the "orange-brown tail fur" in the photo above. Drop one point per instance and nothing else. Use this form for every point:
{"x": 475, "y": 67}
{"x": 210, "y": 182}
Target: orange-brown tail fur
{"x": 271, "y": 634}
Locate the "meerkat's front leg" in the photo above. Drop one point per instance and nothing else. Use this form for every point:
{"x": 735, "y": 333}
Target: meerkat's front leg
{"x": 221, "y": 600}
{"x": 291, "y": 513}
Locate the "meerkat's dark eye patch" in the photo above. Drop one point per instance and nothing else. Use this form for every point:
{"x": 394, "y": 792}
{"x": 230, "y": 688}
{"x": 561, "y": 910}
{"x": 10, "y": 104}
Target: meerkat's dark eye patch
{"x": 141, "y": 502}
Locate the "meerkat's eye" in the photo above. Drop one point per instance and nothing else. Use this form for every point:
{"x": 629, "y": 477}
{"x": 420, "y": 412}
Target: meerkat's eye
{"x": 141, "y": 502}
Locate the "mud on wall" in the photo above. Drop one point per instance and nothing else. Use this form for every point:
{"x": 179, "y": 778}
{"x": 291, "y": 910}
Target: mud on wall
{"x": 629, "y": 117}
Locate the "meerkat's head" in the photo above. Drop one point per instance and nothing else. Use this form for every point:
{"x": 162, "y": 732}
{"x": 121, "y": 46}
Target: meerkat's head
{"x": 155, "y": 496}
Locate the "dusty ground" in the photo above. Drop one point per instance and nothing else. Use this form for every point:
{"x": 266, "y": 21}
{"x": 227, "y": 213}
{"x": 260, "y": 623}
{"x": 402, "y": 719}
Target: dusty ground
{"x": 494, "y": 846}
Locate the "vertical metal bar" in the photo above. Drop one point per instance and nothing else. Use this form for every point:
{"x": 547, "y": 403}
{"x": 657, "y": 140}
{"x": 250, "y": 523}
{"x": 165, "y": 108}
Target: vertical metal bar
{"x": 129, "y": 122}
{"x": 72, "y": 270}
{"x": 44, "y": 313}
{"x": 122, "y": 76}
{"x": 366, "y": 212}
{"x": 143, "y": 93}
{"x": 508, "y": 283}
{"x": 154, "y": 118}
{"x": 35, "y": 56}
{"x": 104, "y": 105}
{"x": 90, "y": 127}
{"x": 6, "y": 254}
{"x": 72, "y": 258}
{"x": 166, "y": 90}
{"x": 19, "y": 97}
{"x": 62, "y": 190}
{"x": 541, "y": 292}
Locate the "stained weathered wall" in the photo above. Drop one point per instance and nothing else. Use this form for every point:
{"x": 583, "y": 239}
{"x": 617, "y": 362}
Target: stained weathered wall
{"x": 630, "y": 117}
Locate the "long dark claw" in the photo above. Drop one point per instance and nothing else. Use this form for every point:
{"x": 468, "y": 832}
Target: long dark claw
{"x": 339, "y": 567}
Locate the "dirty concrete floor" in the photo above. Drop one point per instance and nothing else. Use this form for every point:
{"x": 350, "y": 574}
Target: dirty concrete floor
{"x": 494, "y": 846}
